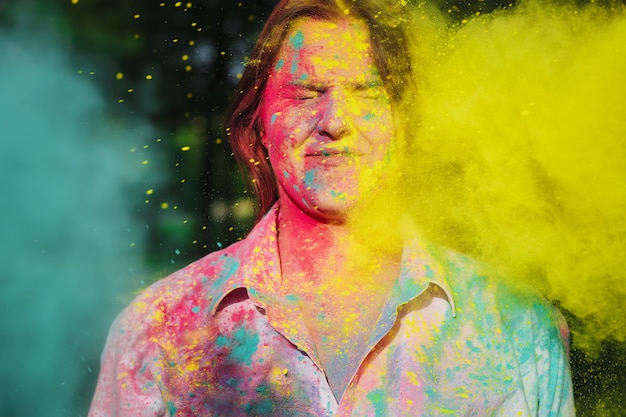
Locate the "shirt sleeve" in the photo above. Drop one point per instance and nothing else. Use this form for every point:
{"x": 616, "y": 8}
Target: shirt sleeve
{"x": 128, "y": 385}
{"x": 553, "y": 370}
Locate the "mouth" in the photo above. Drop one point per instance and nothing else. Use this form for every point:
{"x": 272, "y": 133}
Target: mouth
{"x": 330, "y": 153}
{"x": 331, "y": 157}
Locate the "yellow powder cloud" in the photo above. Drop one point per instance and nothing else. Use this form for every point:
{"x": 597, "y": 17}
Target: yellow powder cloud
{"x": 517, "y": 152}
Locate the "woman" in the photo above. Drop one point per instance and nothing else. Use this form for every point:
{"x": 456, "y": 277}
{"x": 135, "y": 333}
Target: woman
{"x": 289, "y": 322}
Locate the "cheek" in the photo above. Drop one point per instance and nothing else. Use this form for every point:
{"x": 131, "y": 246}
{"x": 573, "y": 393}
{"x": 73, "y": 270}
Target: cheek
{"x": 287, "y": 173}
{"x": 290, "y": 127}
{"x": 370, "y": 115}
{"x": 378, "y": 126}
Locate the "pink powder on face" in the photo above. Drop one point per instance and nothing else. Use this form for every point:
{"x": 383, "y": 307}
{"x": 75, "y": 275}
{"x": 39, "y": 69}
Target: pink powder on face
{"x": 327, "y": 121}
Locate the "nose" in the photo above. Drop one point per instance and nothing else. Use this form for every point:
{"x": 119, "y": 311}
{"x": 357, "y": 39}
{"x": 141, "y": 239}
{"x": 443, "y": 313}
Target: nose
{"x": 335, "y": 121}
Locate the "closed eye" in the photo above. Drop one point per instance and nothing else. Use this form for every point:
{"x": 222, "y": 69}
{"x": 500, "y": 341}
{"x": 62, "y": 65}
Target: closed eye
{"x": 373, "y": 90}
{"x": 305, "y": 91}
{"x": 308, "y": 93}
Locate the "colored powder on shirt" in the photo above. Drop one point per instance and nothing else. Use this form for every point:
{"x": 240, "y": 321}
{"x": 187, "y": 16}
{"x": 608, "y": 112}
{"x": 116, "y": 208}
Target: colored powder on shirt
{"x": 171, "y": 408}
{"x": 230, "y": 267}
{"x": 377, "y": 397}
{"x": 515, "y": 153}
{"x": 245, "y": 346}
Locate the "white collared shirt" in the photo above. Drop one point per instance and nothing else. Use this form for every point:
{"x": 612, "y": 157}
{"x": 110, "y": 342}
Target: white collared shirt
{"x": 214, "y": 339}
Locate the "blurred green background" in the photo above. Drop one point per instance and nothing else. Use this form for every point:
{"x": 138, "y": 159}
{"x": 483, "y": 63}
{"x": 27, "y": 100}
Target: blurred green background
{"x": 116, "y": 171}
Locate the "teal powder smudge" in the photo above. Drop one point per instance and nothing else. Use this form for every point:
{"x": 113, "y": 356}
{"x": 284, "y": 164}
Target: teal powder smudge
{"x": 227, "y": 266}
{"x": 222, "y": 341}
{"x": 377, "y": 398}
{"x": 297, "y": 40}
{"x": 265, "y": 406}
{"x": 309, "y": 180}
{"x": 196, "y": 309}
{"x": 171, "y": 408}
{"x": 230, "y": 266}
{"x": 339, "y": 195}
{"x": 369, "y": 116}
{"x": 472, "y": 347}
{"x": 430, "y": 391}
{"x": 273, "y": 119}
{"x": 260, "y": 408}
{"x": 294, "y": 63}
{"x": 428, "y": 272}
{"x": 286, "y": 174}
{"x": 292, "y": 298}
{"x": 279, "y": 64}
{"x": 245, "y": 346}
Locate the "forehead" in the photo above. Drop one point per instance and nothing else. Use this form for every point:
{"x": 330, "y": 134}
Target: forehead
{"x": 323, "y": 48}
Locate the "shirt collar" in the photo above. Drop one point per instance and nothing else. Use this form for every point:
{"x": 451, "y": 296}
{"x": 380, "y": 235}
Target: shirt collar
{"x": 423, "y": 264}
{"x": 254, "y": 264}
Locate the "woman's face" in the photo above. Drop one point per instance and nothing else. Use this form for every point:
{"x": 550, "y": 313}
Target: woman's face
{"x": 326, "y": 118}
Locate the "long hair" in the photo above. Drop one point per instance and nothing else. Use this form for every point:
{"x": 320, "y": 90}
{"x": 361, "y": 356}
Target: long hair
{"x": 385, "y": 20}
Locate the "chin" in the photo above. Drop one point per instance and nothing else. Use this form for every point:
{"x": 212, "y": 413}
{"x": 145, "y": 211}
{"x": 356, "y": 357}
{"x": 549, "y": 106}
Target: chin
{"x": 333, "y": 210}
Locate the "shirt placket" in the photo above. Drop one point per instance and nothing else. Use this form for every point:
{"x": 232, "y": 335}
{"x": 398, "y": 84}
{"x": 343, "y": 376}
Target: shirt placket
{"x": 418, "y": 272}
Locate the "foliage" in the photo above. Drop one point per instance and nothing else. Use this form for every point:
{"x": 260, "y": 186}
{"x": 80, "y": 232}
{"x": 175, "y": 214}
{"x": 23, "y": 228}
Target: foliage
{"x": 177, "y": 63}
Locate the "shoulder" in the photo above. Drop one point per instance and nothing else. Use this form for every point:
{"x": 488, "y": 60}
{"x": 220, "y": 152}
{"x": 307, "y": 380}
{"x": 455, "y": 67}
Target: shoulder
{"x": 187, "y": 298}
{"x": 531, "y": 327}
{"x": 479, "y": 287}
{"x": 185, "y": 295}
{"x": 166, "y": 318}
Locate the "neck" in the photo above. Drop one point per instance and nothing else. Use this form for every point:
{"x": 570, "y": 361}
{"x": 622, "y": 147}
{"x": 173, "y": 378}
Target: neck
{"x": 304, "y": 240}
{"x": 317, "y": 254}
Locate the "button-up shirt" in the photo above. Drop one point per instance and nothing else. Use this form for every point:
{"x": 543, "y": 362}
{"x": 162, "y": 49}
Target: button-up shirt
{"x": 217, "y": 339}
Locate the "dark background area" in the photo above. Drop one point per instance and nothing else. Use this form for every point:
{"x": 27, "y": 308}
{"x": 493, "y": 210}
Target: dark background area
{"x": 175, "y": 65}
